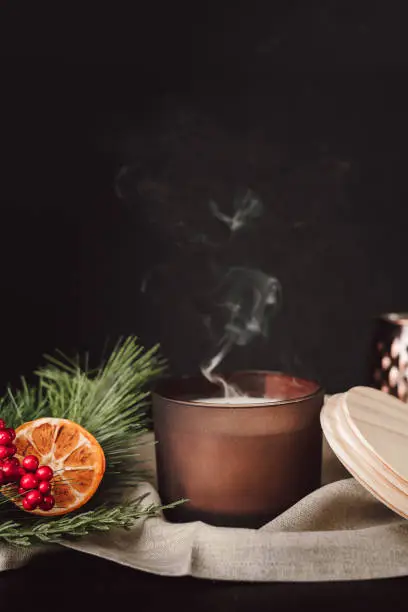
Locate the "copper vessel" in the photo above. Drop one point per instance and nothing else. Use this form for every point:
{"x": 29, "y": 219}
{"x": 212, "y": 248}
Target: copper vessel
{"x": 237, "y": 465}
{"x": 389, "y": 367}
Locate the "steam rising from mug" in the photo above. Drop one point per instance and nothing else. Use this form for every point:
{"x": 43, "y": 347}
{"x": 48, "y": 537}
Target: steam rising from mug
{"x": 248, "y": 298}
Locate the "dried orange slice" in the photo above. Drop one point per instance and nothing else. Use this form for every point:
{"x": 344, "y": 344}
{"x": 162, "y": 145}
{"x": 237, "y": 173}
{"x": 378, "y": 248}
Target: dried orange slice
{"x": 75, "y": 456}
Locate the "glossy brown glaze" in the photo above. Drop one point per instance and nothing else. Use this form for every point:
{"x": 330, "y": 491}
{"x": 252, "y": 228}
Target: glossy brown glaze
{"x": 237, "y": 466}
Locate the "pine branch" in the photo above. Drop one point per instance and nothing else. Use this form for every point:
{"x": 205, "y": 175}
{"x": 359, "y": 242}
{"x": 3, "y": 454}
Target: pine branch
{"x": 110, "y": 402}
{"x": 104, "y": 518}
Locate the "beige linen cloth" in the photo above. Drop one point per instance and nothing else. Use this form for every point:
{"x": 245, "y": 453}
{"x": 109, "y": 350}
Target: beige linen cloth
{"x": 339, "y": 532}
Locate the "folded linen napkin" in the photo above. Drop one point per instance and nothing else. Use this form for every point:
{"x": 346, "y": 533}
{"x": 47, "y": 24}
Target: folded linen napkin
{"x": 339, "y": 532}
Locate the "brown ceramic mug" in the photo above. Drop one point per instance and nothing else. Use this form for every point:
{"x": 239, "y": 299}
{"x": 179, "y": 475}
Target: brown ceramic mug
{"x": 237, "y": 466}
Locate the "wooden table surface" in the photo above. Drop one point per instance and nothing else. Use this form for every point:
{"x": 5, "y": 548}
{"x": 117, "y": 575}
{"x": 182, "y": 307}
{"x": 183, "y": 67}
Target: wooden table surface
{"x": 68, "y": 580}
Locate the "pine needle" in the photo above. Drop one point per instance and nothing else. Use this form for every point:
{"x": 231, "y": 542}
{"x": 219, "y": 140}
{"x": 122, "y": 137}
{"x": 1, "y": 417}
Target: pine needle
{"x": 111, "y": 403}
{"x": 103, "y": 518}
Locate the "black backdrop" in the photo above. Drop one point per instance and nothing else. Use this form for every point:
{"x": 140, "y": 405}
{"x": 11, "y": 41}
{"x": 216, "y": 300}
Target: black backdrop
{"x": 304, "y": 102}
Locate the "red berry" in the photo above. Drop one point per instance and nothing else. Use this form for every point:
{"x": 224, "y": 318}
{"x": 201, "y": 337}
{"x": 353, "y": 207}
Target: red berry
{"x": 3, "y": 451}
{"x": 21, "y": 491}
{"x": 2, "y": 477}
{"x": 13, "y": 461}
{"x": 30, "y": 463}
{"x": 5, "y": 437}
{"x": 33, "y": 498}
{"x": 27, "y": 505}
{"x": 47, "y": 503}
{"x": 12, "y": 433}
{"x": 21, "y": 471}
{"x": 44, "y": 473}
{"x": 2, "y": 424}
{"x": 11, "y": 449}
{"x": 29, "y": 481}
{"x": 44, "y": 487}
{"x": 10, "y": 471}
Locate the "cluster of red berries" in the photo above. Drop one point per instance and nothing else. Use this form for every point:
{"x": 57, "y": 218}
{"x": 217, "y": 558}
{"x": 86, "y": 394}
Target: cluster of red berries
{"x": 33, "y": 480}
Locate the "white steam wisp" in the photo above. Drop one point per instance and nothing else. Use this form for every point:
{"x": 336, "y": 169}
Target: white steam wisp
{"x": 248, "y": 299}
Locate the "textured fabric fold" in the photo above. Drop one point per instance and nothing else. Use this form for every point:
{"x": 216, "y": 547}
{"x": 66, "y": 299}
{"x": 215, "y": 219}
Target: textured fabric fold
{"x": 339, "y": 532}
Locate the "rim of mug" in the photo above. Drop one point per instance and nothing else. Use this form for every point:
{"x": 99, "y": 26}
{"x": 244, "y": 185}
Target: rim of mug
{"x": 319, "y": 390}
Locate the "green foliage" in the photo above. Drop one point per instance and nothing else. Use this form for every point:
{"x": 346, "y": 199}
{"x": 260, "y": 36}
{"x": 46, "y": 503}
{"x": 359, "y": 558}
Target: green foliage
{"x": 51, "y": 530}
{"x": 110, "y": 403}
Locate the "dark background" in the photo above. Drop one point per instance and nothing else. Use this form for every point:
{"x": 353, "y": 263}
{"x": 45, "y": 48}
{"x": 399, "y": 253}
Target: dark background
{"x": 305, "y": 102}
